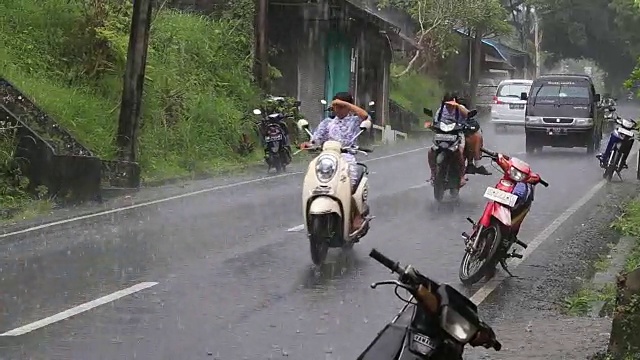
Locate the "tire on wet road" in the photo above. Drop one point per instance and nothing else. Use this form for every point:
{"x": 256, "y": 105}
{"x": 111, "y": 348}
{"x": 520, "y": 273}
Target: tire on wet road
{"x": 320, "y": 233}
{"x": 490, "y": 256}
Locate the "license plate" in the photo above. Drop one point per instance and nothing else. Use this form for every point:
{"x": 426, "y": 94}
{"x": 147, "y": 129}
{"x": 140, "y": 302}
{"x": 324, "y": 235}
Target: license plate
{"x": 516, "y": 106}
{"x": 500, "y": 196}
{"x": 445, "y": 137}
{"x": 556, "y": 132}
{"x": 273, "y": 138}
{"x": 624, "y": 131}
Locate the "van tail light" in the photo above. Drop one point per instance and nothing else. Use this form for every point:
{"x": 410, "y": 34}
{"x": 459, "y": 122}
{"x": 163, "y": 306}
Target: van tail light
{"x": 496, "y": 101}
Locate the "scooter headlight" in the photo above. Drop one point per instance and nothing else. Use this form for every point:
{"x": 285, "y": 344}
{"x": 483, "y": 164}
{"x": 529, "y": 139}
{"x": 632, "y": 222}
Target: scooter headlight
{"x": 457, "y": 325}
{"x": 447, "y": 127}
{"x": 516, "y": 174}
{"x": 326, "y": 167}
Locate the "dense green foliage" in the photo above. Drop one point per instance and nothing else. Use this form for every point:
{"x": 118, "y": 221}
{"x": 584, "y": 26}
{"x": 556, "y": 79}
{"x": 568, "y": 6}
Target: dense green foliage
{"x": 69, "y": 57}
{"x": 438, "y": 18}
{"x": 602, "y": 30}
{"x": 415, "y": 91}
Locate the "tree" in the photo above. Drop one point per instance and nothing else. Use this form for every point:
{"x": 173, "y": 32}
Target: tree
{"x": 438, "y": 19}
{"x": 484, "y": 19}
{"x": 592, "y": 29}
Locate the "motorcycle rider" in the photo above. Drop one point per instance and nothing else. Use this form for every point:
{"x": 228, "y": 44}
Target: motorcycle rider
{"x": 607, "y": 101}
{"x": 451, "y": 109}
{"x": 343, "y": 128}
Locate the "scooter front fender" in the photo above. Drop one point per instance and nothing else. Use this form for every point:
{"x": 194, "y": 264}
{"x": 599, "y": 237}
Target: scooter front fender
{"x": 324, "y": 205}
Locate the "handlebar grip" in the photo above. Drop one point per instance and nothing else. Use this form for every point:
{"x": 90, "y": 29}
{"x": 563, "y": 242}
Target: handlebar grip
{"x": 544, "y": 183}
{"x": 490, "y": 153}
{"x": 497, "y": 346}
{"x": 366, "y": 150}
{"x": 376, "y": 255}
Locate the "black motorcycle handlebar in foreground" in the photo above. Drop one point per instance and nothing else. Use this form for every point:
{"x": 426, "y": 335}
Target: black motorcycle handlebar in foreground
{"x": 437, "y": 326}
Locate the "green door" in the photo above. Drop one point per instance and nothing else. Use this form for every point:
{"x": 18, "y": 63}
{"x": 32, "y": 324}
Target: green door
{"x": 338, "y": 75}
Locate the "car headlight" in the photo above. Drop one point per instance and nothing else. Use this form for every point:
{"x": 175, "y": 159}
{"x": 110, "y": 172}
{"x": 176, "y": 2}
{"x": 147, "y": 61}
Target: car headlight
{"x": 533, "y": 119}
{"x": 584, "y": 121}
{"x": 516, "y": 174}
{"x": 326, "y": 167}
{"x": 457, "y": 326}
{"x": 447, "y": 127}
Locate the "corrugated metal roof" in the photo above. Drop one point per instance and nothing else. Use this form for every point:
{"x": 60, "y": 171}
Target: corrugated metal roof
{"x": 391, "y": 20}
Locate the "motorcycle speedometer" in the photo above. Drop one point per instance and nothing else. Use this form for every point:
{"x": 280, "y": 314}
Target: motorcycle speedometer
{"x": 326, "y": 167}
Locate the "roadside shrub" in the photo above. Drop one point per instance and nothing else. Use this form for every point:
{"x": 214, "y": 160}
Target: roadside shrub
{"x": 415, "y": 91}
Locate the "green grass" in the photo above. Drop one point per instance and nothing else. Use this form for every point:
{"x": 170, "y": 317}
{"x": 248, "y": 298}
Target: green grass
{"x": 415, "y": 91}
{"x": 602, "y": 263}
{"x": 579, "y": 304}
{"x": 629, "y": 224}
{"x": 198, "y": 86}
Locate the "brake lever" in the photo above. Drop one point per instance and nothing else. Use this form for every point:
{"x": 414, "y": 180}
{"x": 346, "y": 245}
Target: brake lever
{"x": 387, "y": 282}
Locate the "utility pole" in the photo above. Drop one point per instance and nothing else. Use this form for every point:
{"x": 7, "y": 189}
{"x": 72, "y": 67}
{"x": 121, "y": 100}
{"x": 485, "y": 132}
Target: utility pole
{"x": 126, "y": 138}
{"x": 261, "y": 65}
{"x": 537, "y": 39}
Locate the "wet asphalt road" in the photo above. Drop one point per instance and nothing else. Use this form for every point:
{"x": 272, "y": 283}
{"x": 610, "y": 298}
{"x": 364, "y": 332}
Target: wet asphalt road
{"x": 233, "y": 283}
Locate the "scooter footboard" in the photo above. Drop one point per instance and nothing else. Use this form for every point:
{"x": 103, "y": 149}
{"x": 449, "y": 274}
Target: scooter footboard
{"x": 324, "y": 205}
{"x": 386, "y": 345}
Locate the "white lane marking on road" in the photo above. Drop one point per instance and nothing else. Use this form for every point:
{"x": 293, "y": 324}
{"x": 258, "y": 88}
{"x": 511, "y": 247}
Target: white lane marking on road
{"x": 296, "y": 228}
{"x": 78, "y": 309}
{"x": 493, "y": 284}
{"x": 176, "y": 197}
{"x": 419, "y": 186}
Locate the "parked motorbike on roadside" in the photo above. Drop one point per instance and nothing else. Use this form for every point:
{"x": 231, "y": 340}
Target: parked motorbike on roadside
{"x": 496, "y": 231}
{"x": 437, "y": 325}
{"x": 446, "y": 143}
{"x": 328, "y": 197}
{"x": 275, "y": 140}
{"x": 619, "y": 147}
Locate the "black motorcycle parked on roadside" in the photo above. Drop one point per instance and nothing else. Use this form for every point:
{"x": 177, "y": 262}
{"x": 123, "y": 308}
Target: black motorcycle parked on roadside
{"x": 275, "y": 140}
{"x": 436, "y": 326}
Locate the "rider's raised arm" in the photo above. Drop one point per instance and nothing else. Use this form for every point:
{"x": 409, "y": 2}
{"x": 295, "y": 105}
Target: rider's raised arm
{"x": 360, "y": 112}
{"x": 321, "y": 134}
{"x": 463, "y": 110}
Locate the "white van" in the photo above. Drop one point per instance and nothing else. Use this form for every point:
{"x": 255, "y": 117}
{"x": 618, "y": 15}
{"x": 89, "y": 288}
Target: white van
{"x": 507, "y": 108}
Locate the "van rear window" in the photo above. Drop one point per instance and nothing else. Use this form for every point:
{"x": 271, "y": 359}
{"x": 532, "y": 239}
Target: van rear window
{"x": 566, "y": 89}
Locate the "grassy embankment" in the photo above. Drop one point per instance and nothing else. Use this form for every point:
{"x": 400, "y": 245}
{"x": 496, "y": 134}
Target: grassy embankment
{"x": 69, "y": 57}
{"x": 628, "y": 224}
{"x": 628, "y": 313}
{"x": 415, "y": 91}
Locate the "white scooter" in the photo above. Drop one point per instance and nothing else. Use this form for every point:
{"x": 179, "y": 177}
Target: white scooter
{"x": 328, "y": 197}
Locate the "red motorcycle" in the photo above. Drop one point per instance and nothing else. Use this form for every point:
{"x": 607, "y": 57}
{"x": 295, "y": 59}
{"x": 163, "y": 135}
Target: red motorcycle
{"x": 496, "y": 232}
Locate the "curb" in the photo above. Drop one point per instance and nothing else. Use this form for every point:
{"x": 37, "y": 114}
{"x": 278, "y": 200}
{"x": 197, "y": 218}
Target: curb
{"x": 617, "y": 257}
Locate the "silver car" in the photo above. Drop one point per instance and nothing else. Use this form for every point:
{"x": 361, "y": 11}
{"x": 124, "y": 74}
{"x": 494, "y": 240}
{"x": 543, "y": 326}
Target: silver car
{"x": 507, "y": 108}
